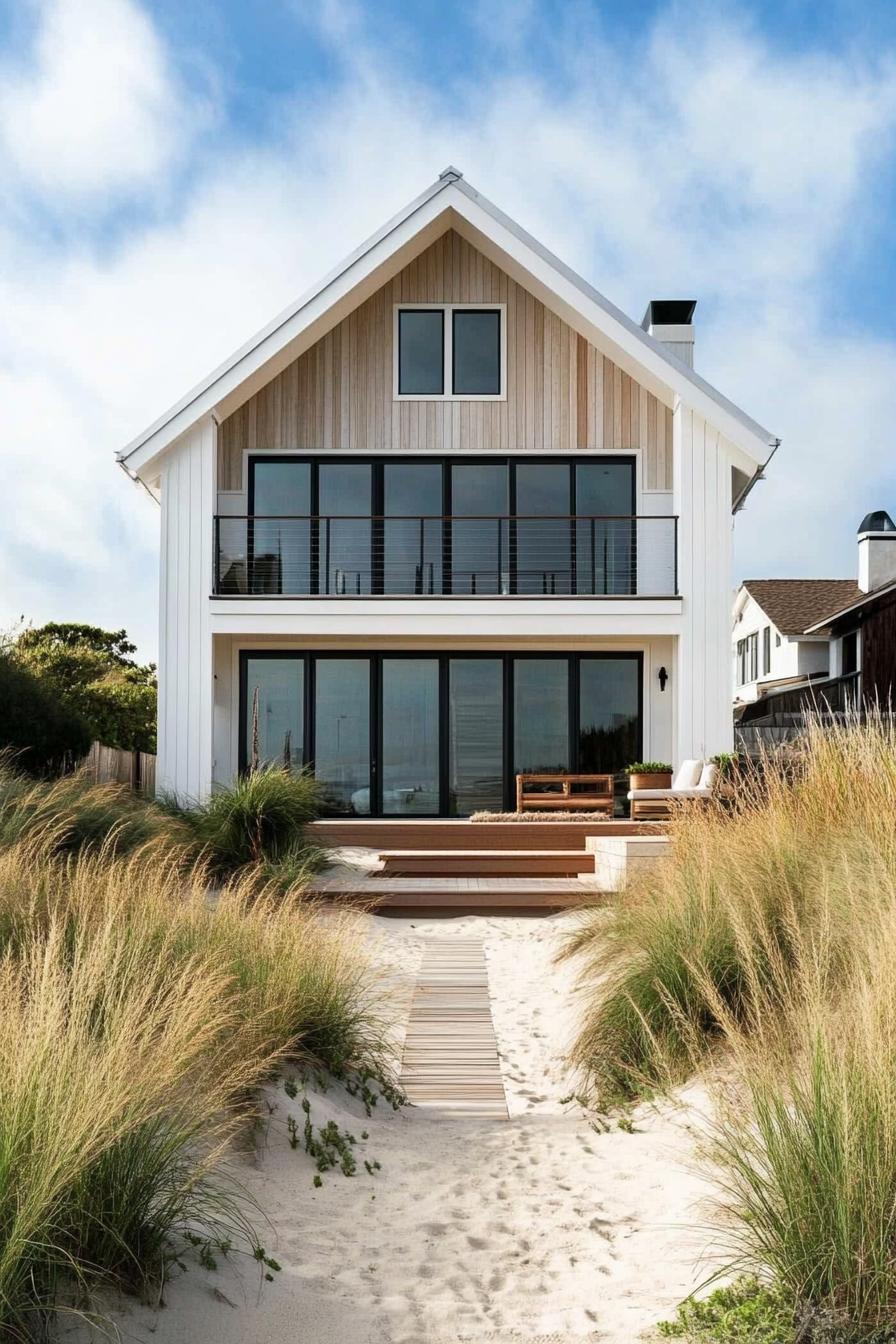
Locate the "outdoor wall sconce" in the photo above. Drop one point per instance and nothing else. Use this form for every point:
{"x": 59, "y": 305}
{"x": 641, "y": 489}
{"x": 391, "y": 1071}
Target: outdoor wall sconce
{"x": 664, "y": 677}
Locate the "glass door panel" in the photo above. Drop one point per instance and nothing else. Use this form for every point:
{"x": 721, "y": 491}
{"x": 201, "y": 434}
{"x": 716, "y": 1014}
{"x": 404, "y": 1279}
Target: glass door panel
{"x": 606, "y": 556}
{"x": 275, "y": 712}
{"x": 279, "y": 531}
{"x": 540, "y": 715}
{"x": 475, "y": 735}
{"x": 410, "y": 734}
{"x": 412, "y": 527}
{"x": 543, "y": 550}
{"x": 345, "y": 528}
{"x": 342, "y": 732}
{"x": 480, "y": 541}
{"x": 609, "y": 713}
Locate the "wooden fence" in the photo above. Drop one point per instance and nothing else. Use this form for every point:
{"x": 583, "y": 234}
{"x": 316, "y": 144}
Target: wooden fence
{"x": 112, "y": 765}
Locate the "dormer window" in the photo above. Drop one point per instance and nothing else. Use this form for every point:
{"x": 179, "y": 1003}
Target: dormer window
{"x": 450, "y": 352}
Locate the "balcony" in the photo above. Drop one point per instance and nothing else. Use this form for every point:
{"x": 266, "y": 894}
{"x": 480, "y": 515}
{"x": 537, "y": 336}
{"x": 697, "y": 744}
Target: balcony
{"x": 351, "y": 556}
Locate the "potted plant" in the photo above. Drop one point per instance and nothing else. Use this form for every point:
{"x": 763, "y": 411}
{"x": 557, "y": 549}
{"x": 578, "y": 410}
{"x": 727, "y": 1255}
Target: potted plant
{"x": 649, "y": 775}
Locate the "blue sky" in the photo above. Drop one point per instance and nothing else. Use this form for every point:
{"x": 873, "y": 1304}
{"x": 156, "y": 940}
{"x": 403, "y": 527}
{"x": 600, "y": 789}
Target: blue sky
{"x": 175, "y": 174}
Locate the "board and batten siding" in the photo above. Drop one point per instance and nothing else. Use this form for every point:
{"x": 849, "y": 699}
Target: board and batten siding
{"x": 562, "y": 393}
{"x": 184, "y": 764}
{"x": 702, "y": 499}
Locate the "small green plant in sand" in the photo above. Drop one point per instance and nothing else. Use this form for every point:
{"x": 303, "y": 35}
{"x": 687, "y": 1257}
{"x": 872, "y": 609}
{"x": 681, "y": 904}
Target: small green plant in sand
{"x": 744, "y": 1312}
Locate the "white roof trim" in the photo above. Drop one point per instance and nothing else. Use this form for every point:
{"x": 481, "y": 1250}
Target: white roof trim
{"x": 449, "y": 202}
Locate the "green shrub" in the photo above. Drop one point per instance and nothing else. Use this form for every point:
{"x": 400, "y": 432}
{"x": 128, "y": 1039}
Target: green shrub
{"x": 649, "y": 768}
{"x": 260, "y": 819}
{"x": 744, "y": 1312}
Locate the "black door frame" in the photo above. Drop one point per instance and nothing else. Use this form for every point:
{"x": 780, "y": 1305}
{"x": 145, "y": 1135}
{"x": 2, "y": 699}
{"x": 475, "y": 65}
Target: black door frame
{"x": 443, "y": 657}
{"x": 378, "y": 462}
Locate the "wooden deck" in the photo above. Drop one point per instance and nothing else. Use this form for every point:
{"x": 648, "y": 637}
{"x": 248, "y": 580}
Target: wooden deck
{"x": 406, "y": 895}
{"x": 450, "y": 1060}
{"x": 482, "y": 862}
{"x": 450, "y": 833}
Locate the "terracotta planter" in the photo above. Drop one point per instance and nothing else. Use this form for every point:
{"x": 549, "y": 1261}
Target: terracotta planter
{"x": 661, "y": 780}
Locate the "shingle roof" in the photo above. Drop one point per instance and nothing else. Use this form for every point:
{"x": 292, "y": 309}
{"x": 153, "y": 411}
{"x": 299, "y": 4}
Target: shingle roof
{"x": 794, "y": 604}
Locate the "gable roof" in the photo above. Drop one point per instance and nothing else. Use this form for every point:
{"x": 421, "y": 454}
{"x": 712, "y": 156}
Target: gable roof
{"x": 793, "y": 605}
{"x": 449, "y": 203}
{"x": 863, "y": 600}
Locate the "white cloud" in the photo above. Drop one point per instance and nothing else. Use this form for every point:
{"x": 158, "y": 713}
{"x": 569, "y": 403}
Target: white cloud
{"x": 95, "y": 106}
{"x": 698, "y": 162}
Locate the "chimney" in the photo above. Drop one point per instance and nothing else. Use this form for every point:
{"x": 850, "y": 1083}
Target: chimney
{"x": 877, "y": 551}
{"x": 672, "y": 322}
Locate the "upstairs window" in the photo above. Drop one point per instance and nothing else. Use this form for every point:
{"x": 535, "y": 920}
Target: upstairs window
{"x": 766, "y": 651}
{"x": 450, "y": 352}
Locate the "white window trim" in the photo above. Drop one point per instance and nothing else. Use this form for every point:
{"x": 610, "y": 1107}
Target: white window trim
{"x": 447, "y": 372}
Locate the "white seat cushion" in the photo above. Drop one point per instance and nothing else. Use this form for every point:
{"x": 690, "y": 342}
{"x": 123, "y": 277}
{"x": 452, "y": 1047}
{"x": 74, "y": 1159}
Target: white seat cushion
{"x": 642, "y": 795}
{"x": 687, "y": 776}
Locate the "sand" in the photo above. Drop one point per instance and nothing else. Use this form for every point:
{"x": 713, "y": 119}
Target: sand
{"x": 530, "y": 1229}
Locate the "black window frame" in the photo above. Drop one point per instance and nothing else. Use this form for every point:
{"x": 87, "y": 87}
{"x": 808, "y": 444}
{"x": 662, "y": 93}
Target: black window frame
{"x": 447, "y": 311}
{"x": 465, "y": 309}
{"x": 378, "y": 464}
{"x": 376, "y": 656}
{"x": 766, "y": 650}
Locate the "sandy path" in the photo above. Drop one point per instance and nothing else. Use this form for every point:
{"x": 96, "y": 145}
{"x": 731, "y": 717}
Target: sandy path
{"x": 527, "y": 1229}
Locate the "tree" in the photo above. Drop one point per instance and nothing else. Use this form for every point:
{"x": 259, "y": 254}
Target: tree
{"x": 42, "y": 733}
{"x": 94, "y": 675}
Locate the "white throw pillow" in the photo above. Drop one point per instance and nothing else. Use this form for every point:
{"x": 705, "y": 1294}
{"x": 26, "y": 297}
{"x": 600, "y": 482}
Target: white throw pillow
{"x": 687, "y": 775}
{"x": 708, "y": 776}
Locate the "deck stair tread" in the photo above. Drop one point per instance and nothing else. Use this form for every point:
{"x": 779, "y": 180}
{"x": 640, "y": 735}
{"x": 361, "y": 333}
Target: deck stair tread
{"x": 458, "y": 893}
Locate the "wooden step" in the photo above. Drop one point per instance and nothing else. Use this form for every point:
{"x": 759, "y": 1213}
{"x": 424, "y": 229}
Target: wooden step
{"x": 450, "y": 833}
{"x": 403, "y": 895}
{"x": 482, "y": 862}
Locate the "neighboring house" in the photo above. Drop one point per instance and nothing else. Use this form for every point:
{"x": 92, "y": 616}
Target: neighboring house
{"x": 449, "y": 517}
{"x": 769, "y": 642}
{"x": 825, "y": 643}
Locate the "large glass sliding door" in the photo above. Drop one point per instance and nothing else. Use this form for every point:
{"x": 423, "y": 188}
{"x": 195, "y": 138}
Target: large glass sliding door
{"x": 543, "y": 550}
{"x": 411, "y": 752}
{"x": 345, "y": 505}
{"x": 475, "y": 735}
{"x": 279, "y": 537}
{"x": 606, "y": 556}
{"x": 412, "y": 527}
{"x": 541, "y": 715}
{"x": 438, "y": 734}
{"x": 342, "y": 738}
{"x": 480, "y": 535}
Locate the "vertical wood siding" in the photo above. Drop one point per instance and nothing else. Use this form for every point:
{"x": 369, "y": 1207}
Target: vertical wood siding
{"x": 562, "y": 393}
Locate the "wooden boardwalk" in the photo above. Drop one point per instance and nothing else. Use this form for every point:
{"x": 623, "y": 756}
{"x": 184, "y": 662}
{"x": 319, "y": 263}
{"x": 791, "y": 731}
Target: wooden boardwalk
{"x": 450, "y": 1061}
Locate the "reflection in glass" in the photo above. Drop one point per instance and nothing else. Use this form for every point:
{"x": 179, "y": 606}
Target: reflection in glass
{"x": 609, "y": 721}
{"x": 342, "y": 732}
{"x": 279, "y": 736}
{"x": 477, "y": 352}
{"x": 475, "y": 735}
{"x": 412, "y": 543}
{"x": 344, "y": 542}
{"x": 540, "y": 715}
{"x": 605, "y": 545}
{"x": 480, "y": 545}
{"x": 410, "y": 724}
{"x": 543, "y": 550}
{"x": 280, "y": 552}
{"x": 421, "y": 352}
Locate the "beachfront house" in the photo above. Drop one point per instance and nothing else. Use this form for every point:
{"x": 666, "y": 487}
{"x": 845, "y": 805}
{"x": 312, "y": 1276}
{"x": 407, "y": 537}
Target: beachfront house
{"x": 449, "y": 517}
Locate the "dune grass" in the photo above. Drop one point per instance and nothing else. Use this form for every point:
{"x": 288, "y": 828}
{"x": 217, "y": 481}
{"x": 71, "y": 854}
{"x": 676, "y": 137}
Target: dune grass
{"x": 136, "y": 1021}
{"x": 765, "y": 946}
{"x": 747, "y": 897}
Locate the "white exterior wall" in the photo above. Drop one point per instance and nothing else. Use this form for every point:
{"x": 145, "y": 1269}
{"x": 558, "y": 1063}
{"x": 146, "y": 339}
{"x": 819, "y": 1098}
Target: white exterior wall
{"x": 701, "y": 470}
{"x": 185, "y": 642}
{"x": 792, "y": 658}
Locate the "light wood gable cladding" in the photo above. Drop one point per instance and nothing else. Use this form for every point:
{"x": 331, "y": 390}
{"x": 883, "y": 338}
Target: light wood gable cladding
{"x": 562, "y": 393}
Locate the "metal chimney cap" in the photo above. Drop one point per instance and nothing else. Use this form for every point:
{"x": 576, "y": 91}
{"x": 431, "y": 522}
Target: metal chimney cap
{"x": 669, "y": 313}
{"x": 879, "y": 521}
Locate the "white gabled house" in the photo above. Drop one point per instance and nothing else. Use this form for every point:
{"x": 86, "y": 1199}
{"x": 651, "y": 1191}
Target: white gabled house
{"x": 449, "y": 517}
